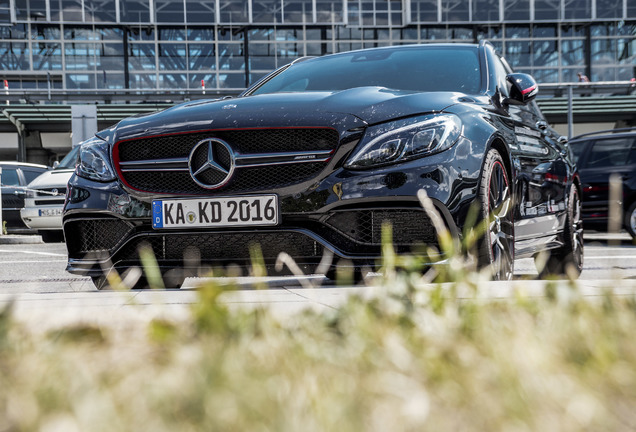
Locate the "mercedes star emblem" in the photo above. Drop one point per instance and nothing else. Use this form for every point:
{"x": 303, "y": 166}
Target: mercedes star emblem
{"x": 211, "y": 163}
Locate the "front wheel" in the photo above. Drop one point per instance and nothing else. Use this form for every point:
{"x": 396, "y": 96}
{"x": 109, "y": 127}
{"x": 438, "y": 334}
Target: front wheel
{"x": 568, "y": 259}
{"x": 496, "y": 245}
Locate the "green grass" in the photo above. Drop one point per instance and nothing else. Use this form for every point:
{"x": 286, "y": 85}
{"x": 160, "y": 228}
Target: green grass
{"x": 407, "y": 358}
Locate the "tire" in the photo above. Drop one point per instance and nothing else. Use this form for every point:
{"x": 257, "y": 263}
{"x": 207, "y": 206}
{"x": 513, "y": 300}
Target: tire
{"x": 52, "y": 236}
{"x": 630, "y": 220}
{"x": 496, "y": 246}
{"x": 567, "y": 260}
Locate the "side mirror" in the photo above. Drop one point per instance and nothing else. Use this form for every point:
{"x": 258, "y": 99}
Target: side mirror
{"x": 523, "y": 89}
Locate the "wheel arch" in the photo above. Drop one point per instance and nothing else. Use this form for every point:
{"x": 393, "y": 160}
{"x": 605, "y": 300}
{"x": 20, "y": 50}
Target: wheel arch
{"x": 496, "y": 142}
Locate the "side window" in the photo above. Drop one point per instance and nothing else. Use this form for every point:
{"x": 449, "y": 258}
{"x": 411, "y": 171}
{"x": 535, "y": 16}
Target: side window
{"x": 10, "y": 177}
{"x": 611, "y": 152}
{"x": 577, "y": 149}
{"x": 30, "y": 175}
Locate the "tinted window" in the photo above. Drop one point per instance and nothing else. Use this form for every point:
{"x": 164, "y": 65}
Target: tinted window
{"x": 577, "y": 149}
{"x": 416, "y": 69}
{"x": 70, "y": 160}
{"x": 30, "y": 175}
{"x": 610, "y": 152}
{"x": 10, "y": 177}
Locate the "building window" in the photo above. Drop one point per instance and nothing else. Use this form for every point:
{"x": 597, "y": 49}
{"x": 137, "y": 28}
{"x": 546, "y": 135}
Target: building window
{"x": 375, "y": 13}
{"x": 14, "y": 56}
{"x": 516, "y": 10}
{"x": 547, "y": 10}
{"x": 298, "y": 11}
{"x": 169, "y": 11}
{"x": 330, "y": 11}
{"x": 100, "y": 11}
{"x": 34, "y": 10}
{"x": 455, "y": 10}
{"x": 609, "y": 8}
{"x": 577, "y": 9}
{"x": 234, "y": 12}
{"x": 200, "y": 11}
{"x": 134, "y": 11}
{"x": 486, "y": 10}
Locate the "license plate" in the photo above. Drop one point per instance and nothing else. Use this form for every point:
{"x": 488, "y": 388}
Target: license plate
{"x": 50, "y": 212}
{"x": 257, "y": 210}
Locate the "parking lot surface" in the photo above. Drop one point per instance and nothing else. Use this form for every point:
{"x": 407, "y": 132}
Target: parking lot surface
{"x": 34, "y": 280}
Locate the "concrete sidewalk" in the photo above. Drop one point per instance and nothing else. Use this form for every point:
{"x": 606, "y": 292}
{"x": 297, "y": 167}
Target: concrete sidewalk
{"x": 48, "y": 310}
{"x": 20, "y": 239}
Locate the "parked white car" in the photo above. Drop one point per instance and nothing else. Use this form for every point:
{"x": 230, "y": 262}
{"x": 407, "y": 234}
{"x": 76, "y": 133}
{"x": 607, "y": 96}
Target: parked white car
{"x": 45, "y": 199}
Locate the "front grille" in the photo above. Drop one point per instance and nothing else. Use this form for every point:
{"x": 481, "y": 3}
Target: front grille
{"x": 176, "y": 179}
{"x": 244, "y": 180}
{"x": 225, "y": 247}
{"x": 50, "y": 192}
{"x": 244, "y": 141}
{"x": 410, "y": 227}
{"x": 95, "y": 235}
{"x": 58, "y": 201}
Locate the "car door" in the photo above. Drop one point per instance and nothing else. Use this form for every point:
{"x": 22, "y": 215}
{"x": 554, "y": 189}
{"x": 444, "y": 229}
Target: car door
{"x": 541, "y": 177}
{"x": 11, "y": 201}
{"x": 605, "y": 157}
{"x": 538, "y": 166}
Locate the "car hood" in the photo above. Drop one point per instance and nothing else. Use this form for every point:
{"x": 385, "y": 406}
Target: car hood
{"x": 343, "y": 110}
{"x": 51, "y": 179}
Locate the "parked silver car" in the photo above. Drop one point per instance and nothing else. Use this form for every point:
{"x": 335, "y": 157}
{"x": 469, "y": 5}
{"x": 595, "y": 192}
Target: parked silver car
{"x": 45, "y": 199}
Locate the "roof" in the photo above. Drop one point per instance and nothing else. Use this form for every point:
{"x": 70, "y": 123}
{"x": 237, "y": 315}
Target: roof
{"x": 22, "y": 164}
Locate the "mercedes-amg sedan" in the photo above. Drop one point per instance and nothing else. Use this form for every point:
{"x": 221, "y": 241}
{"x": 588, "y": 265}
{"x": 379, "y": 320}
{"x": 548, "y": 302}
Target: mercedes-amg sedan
{"x": 320, "y": 154}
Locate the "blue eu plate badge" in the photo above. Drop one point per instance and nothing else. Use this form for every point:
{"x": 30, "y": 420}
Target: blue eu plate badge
{"x": 157, "y": 220}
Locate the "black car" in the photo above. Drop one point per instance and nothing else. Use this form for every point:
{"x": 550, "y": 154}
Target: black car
{"x": 601, "y": 155}
{"x": 323, "y": 151}
{"x": 15, "y": 176}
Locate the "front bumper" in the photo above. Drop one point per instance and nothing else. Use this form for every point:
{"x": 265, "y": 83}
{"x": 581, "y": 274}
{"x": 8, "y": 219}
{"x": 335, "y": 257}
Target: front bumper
{"x": 43, "y": 217}
{"x": 342, "y": 212}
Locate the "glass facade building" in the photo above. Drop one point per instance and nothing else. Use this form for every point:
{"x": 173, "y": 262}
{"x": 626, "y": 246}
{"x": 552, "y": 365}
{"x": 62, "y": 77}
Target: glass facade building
{"x": 228, "y": 44}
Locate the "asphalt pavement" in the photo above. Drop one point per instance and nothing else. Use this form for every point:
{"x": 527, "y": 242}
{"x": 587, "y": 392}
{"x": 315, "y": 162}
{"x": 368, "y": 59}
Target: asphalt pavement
{"x": 33, "y": 279}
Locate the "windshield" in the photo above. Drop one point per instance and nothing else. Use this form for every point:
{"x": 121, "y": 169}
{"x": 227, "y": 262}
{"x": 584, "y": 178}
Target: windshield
{"x": 407, "y": 68}
{"x": 70, "y": 160}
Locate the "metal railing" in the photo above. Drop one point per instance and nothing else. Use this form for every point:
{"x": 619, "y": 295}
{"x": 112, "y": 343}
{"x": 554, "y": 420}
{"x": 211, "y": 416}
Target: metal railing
{"x": 611, "y": 88}
{"x": 180, "y": 95}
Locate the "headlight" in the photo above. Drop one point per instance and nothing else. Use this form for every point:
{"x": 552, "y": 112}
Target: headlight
{"x": 94, "y": 161}
{"x": 406, "y": 139}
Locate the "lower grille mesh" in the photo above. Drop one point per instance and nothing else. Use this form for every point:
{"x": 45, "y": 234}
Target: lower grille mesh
{"x": 95, "y": 235}
{"x": 225, "y": 246}
{"x": 243, "y": 180}
{"x": 365, "y": 226}
{"x": 355, "y": 232}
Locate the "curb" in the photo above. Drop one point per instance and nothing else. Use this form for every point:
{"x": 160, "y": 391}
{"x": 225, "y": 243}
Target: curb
{"x": 20, "y": 239}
